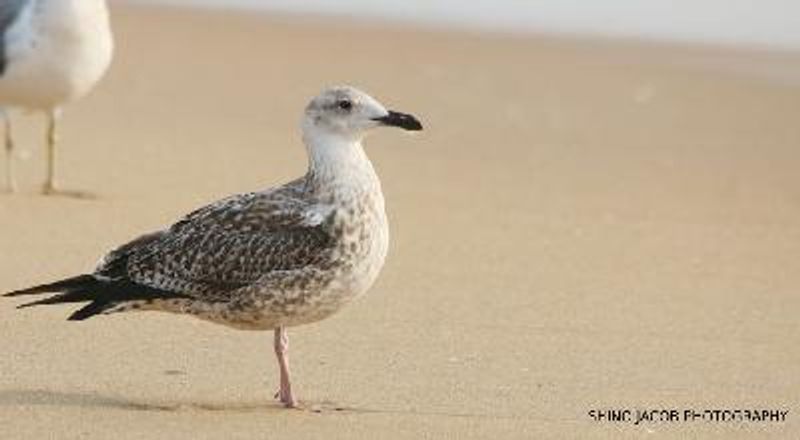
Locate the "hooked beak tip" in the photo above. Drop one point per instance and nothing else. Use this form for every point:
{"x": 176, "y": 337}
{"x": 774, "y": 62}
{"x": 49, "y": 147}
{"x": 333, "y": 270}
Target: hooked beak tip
{"x": 402, "y": 120}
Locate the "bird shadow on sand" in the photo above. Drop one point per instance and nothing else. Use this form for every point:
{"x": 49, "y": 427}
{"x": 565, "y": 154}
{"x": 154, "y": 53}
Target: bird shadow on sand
{"x": 89, "y": 400}
{"x": 66, "y": 194}
{"x": 95, "y": 400}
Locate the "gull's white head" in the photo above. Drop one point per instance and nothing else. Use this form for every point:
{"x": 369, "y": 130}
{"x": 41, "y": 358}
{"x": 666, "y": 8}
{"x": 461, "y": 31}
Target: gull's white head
{"x": 349, "y": 113}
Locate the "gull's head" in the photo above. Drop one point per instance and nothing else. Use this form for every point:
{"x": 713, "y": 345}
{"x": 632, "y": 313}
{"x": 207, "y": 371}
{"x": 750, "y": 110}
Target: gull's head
{"x": 347, "y": 112}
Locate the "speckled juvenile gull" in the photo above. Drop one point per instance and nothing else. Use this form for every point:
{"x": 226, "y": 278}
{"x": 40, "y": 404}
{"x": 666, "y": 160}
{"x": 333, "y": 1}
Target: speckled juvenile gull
{"x": 52, "y": 52}
{"x": 265, "y": 260}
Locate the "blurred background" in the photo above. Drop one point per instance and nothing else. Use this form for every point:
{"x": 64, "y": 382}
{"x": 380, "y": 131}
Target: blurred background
{"x": 602, "y": 212}
{"x": 765, "y": 23}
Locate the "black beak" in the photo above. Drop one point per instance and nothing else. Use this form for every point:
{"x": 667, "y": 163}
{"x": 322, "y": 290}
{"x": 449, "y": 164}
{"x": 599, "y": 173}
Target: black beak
{"x": 402, "y": 120}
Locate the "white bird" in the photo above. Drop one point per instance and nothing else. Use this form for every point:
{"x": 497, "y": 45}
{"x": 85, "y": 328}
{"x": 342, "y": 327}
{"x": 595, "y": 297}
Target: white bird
{"x": 52, "y": 52}
{"x": 265, "y": 260}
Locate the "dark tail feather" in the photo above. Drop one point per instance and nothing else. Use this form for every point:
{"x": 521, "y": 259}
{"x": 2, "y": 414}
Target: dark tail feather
{"x": 96, "y": 306}
{"x": 65, "y": 284}
{"x": 89, "y": 310}
{"x": 80, "y": 294}
{"x": 81, "y": 288}
{"x": 101, "y": 293}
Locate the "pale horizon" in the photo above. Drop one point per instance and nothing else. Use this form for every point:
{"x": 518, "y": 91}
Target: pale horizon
{"x": 751, "y": 23}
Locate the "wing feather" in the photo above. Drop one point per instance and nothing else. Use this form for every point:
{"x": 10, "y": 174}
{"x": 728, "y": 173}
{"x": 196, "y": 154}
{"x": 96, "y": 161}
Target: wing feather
{"x": 228, "y": 245}
{"x": 9, "y": 11}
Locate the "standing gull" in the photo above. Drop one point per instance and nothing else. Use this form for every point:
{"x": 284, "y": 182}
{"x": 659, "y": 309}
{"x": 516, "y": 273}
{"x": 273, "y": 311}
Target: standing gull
{"x": 52, "y": 52}
{"x": 265, "y": 260}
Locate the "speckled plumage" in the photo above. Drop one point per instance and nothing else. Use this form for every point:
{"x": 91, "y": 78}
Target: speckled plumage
{"x": 264, "y": 260}
{"x": 283, "y": 256}
{"x": 274, "y": 258}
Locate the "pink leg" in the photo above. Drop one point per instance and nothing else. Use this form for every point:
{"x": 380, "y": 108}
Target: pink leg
{"x": 281, "y": 351}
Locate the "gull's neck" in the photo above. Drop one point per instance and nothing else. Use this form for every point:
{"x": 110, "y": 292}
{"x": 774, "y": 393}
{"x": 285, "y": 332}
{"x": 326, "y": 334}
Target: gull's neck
{"x": 338, "y": 166}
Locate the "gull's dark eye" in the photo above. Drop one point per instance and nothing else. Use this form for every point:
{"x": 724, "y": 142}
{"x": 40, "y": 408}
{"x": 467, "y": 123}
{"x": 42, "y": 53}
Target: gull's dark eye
{"x": 345, "y": 105}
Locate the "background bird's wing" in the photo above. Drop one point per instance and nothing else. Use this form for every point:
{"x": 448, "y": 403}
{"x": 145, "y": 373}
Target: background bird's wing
{"x": 9, "y": 11}
{"x": 227, "y": 245}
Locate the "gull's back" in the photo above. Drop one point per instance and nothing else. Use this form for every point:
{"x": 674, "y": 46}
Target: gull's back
{"x": 233, "y": 243}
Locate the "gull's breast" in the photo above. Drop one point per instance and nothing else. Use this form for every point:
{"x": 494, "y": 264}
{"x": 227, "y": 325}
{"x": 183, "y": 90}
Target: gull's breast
{"x": 362, "y": 236}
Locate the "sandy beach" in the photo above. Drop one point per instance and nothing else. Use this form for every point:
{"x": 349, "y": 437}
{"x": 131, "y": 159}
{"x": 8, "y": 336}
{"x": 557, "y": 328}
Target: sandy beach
{"x": 582, "y": 226}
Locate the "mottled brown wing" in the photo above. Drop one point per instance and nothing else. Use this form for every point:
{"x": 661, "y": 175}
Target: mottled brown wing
{"x": 231, "y": 244}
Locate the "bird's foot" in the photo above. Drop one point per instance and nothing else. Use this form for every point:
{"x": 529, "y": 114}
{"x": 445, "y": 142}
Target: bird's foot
{"x": 286, "y": 398}
{"x": 51, "y": 190}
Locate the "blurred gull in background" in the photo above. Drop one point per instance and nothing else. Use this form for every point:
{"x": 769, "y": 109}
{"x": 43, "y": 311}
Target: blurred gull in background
{"x": 52, "y": 52}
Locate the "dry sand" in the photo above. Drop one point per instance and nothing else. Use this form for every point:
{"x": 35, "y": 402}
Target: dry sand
{"x": 582, "y": 226}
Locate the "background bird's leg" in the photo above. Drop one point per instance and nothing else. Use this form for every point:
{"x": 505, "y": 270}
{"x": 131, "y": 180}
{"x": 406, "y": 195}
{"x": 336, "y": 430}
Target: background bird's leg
{"x": 52, "y": 139}
{"x": 50, "y": 185}
{"x": 281, "y": 351}
{"x": 11, "y": 183}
